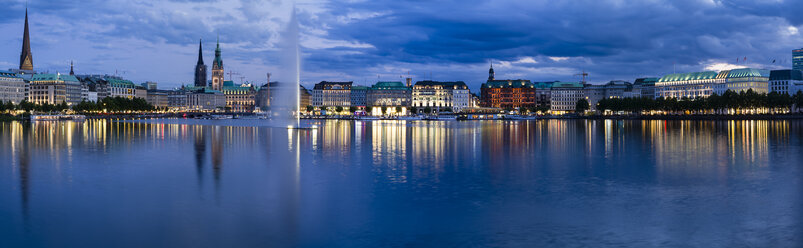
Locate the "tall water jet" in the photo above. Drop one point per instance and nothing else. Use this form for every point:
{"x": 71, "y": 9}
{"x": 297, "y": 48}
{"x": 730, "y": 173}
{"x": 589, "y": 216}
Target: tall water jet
{"x": 286, "y": 103}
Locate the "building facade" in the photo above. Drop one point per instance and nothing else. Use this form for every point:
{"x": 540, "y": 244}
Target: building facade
{"x": 564, "y": 97}
{"x": 332, "y": 94}
{"x": 508, "y": 94}
{"x": 359, "y": 96}
{"x": 389, "y": 94}
{"x": 177, "y": 100}
{"x": 240, "y": 98}
{"x": 612, "y": 89}
{"x": 157, "y": 98}
{"x": 690, "y": 85}
{"x": 786, "y": 81}
{"x": 437, "y": 95}
{"x": 54, "y": 89}
{"x": 644, "y": 87}
{"x": 797, "y": 56}
{"x": 205, "y": 100}
{"x": 120, "y": 88}
{"x": 12, "y": 87}
{"x": 745, "y": 79}
{"x": 543, "y": 94}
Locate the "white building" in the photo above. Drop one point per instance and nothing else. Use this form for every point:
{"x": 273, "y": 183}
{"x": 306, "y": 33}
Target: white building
{"x": 704, "y": 84}
{"x": 332, "y": 94}
{"x": 454, "y": 95}
{"x": 564, "y": 97}
{"x": 786, "y": 81}
{"x": 55, "y": 89}
{"x": 12, "y": 87}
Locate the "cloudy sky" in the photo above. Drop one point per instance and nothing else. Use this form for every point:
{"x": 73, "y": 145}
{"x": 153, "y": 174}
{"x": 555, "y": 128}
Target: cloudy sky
{"x": 369, "y": 40}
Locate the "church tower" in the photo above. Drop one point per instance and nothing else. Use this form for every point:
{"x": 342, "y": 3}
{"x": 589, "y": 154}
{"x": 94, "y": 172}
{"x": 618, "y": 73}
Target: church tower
{"x": 217, "y": 69}
{"x": 26, "y": 59}
{"x": 72, "y": 72}
{"x": 491, "y": 74}
{"x": 200, "y": 68}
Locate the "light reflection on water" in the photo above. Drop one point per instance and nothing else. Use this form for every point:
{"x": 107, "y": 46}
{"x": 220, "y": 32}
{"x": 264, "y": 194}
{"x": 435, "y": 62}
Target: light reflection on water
{"x": 401, "y": 183}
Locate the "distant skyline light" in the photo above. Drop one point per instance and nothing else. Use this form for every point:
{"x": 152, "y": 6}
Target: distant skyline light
{"x": 370, "y": 41}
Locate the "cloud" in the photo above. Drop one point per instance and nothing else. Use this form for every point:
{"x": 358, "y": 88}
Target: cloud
{"x": 453, "y": 40}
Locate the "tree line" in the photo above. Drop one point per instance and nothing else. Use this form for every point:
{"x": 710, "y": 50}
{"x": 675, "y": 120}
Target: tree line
{"x": 715, "y": 104}
{"x": 109, "y": 104}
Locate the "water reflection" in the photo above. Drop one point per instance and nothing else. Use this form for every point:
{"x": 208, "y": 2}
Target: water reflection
{"x": 333, "y": 184}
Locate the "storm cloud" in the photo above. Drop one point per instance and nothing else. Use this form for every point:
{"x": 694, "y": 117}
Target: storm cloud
{"x": 366, "y": 41}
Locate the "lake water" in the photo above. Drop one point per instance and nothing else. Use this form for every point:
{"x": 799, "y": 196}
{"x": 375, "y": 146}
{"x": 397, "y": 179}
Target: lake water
{"x": 550, "y": 183}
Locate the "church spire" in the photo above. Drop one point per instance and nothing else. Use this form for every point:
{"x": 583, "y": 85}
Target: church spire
{"x": 72, "y": 73}
{"x": 491, "y": 74}
{"x": 26, "y": 59}
{"x": 218, "y": 60}
{"x": 201, "y": 52}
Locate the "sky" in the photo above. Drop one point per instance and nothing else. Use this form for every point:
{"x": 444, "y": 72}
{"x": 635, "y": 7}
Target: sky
{"x": 366, "y": 41}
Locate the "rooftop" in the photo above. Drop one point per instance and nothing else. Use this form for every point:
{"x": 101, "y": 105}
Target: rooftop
{"x": 53, "y": 77}
{"x": 748, "y": 72}
{"x": 389, "y": 86}
{"x": 518, "y": 83}
{"x": 567, "y": 85}
{"x": 689, "y": 76}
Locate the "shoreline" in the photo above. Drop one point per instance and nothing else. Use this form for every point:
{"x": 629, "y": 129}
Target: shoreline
{"x": 7, "y": 117}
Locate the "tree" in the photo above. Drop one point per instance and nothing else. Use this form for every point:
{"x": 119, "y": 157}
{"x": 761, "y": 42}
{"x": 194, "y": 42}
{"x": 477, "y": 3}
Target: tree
{"x": 414, "y": 110}
{"x": 398, "y": 109}
{"x": 581, "y": 106}
{"x": 384, "y": 110}
{"x": 427, "y": 110}
{"x": 353, "y": 109}
{"x": 338, "y": 109}
{"x": 310, "y": 108}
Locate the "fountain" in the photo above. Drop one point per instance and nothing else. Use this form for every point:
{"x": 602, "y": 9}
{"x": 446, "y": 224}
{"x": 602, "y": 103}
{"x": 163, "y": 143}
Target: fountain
{"x": 286, "y": 103}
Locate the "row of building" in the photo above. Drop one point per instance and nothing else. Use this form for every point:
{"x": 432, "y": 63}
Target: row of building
{"x": 561, "y": 97}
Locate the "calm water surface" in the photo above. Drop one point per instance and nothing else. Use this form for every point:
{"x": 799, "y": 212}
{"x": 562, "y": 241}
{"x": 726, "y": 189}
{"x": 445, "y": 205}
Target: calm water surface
{"x": 556, "y": 183}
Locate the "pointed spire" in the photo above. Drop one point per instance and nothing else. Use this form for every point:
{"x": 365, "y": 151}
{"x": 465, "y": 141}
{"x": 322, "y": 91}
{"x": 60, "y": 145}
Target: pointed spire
{"x": 26, "y": 59}
{"x": 201, "y": 52}
{"x": 218, "y": 60}
{"x": 72, "y": 72}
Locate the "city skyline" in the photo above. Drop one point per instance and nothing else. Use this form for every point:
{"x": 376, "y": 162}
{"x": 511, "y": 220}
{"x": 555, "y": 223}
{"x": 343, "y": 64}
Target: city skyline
{"x": 336, "y": 46}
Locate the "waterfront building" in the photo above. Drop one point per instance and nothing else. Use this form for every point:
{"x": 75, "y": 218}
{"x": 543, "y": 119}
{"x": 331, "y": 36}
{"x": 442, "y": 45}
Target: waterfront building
{"x": 240, "y": 98}
{"x": 437, "y": 95}
{"x": 389, "y": 94}
{"x": 508, "y": 94}
{"x": 262, "y": 100}
{"x": 26, "y": 57}
{"x": 691, "y": 85}
{"x": 332, "y": 94}
{"x": 786, "y": 81}
{"x": 797, "y": 58}
{"x": 177, "y": 100}
{"x": 140, "y": 92}
{"x": 158, "y": 98}
{"x": 54, "y": 89}
{"x": 543, "y": 94}
{"x": 704, "y": 84}
{"x": 217, "y": 70}
{"x": 359, "y": 95}
{"x": 745, "y": 79}
{"x": 119, "y": 87}
{"x": 200, "y": 67}
{"x": 306, "y": 96}
{"x": 205, "y": 99}
{"x": 564, "y": 96}
{"x": 612, "y": 89}
{"x": 12, "y": 87}
{"x": 644, "y": 87}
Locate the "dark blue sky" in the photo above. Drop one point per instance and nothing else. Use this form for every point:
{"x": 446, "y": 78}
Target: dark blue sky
{"x": 367, "y": 40}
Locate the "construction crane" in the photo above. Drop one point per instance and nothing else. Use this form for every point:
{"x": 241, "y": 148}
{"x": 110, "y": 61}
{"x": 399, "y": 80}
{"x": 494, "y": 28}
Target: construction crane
{"x": 584, "y": 75}
{"x": 231, "y": 73}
